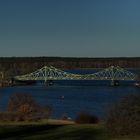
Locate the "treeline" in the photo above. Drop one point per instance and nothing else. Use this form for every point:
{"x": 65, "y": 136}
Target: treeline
{"x": 20, "y": 65}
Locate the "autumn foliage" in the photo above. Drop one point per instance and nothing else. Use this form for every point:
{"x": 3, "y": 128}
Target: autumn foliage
{"x": 23, "y": 107}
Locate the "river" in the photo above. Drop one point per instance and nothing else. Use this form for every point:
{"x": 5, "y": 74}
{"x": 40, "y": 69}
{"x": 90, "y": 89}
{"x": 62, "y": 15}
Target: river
{"x": 69, "y": 98}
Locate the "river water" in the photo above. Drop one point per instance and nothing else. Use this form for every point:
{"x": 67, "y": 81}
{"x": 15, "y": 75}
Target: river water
{"x": 69, "y": 98}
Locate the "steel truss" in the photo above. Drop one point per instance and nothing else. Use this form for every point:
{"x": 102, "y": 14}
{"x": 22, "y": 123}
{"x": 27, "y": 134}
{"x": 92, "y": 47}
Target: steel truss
{"x": 52, "y": 73}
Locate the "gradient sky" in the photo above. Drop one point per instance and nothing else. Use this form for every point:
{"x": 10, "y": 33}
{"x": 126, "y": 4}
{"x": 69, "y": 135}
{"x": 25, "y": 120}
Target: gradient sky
{"x": 75, "y": 28}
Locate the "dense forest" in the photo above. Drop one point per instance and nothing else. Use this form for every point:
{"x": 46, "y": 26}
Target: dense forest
{"x": 11, "y": 66}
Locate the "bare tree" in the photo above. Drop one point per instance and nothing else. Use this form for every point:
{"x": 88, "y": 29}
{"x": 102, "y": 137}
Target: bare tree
{"x": 124, "y": 116}
{"x": 24, "y": 104}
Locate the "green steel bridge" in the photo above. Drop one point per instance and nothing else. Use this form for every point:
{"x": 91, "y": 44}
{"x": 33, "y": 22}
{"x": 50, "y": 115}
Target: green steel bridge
{"x": 51, "y": 73}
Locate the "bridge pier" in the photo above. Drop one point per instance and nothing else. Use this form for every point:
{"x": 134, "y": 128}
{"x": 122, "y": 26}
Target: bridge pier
{"x": 49, "y": 82}
{"x": 114, "y": 83}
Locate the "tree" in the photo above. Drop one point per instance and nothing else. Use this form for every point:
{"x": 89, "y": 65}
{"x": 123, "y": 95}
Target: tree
{"x": 124, "y": 116}
{"x": 24, "y": 105}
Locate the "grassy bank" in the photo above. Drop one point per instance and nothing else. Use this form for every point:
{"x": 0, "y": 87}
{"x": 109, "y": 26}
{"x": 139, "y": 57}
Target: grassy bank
{"x": 55, "y": 130}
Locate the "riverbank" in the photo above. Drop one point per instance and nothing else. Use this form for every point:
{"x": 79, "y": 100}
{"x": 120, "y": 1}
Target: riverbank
{"x": 55, "y": 130}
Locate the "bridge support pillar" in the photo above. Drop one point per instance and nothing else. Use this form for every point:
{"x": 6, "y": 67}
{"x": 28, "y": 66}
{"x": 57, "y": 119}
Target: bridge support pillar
{"x": 114, "y": 83}
{"x": 12, "y": 82}
{"x": 48, "y": 82}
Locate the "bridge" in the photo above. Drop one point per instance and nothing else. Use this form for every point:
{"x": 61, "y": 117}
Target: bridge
{"x": 51, "y": 73}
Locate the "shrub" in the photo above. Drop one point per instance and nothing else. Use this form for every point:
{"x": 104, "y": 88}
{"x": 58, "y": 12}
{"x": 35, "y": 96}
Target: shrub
{"x": 26, "y": 108}
{"x": 86, "y": 118}
{"x": 23, "y": 103}
{"x": 124, "y": 117}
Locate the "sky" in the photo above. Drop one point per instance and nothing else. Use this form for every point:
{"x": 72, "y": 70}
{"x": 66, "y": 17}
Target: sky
{"x": 70, "y": 28}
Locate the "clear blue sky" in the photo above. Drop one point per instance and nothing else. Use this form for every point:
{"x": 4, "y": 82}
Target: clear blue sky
{"x": 81, "y": 28}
